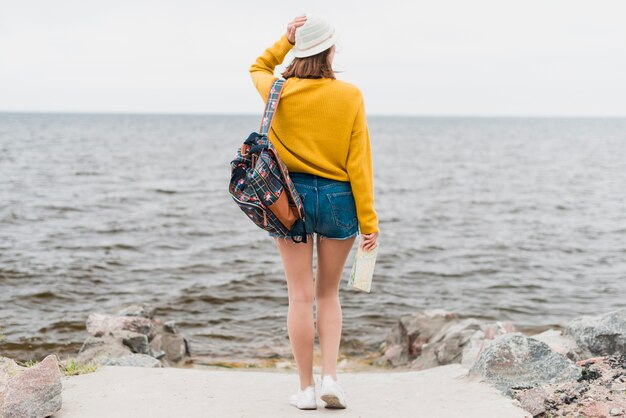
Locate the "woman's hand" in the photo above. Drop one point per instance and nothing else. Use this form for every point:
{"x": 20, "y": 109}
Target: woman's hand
{"x": 292, "y": 26}
{"x": 369, "y": 241}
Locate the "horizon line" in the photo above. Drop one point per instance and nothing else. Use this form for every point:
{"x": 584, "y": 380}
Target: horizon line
{"x": 399, "y": 115}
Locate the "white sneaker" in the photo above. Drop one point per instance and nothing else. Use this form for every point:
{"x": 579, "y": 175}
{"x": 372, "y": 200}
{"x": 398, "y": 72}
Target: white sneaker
{"x": 304, "y": 398}
{"x": 332, "y": 393}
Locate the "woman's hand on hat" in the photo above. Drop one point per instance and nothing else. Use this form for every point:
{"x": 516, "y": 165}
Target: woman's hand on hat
{"x": 368, "y": 241}
{"x": 292, "y": 26}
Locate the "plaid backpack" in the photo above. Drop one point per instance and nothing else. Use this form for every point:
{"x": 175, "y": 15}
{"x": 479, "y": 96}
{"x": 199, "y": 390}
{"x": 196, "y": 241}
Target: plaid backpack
{"x": 260, "y": 182}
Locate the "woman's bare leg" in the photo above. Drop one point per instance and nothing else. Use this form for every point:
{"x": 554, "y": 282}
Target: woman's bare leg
{"x": 331, "y": 259}
{"x": 298, "y": 263}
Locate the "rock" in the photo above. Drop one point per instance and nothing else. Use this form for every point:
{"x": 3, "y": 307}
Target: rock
{"x": 473, "y": 347}
{"x": 158, "y": 354}
{"x": 481, "y": 340}
{"x": 445, "y": 347}
{"x": 156, "y": 347}
{"x": 395, "y": 355}
{"x": 499, "y": 328}
{"x": 138, "y": 343}
{"x": 144, "y": 310}
{"x": 600, "y": 392}
{"x": 170, "y": 326}
{"x": 8, "y": 369}
{"x": 437, "y": 337}
{"x": 174, "y": 347}
{"x": 533, "y": 400}
{"x": 99, "y": 325}
{"x": 513, "y": 361}
{"x": 560, "y": 343}
{"x": 599, "y": 335}
{"x": 134, "y": 330}
{"x": 405, "y": 340}
{"x": 33, "y": 391}
{"x": 171, "y": 346}
{"x": 133, "y": 360}
{"x": 106, "y": 346}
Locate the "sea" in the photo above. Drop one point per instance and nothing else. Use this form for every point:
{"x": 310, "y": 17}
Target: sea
{"x": 501, "y": 219}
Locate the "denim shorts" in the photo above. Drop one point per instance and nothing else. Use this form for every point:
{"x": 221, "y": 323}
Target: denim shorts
{"x": 330, "y": 209}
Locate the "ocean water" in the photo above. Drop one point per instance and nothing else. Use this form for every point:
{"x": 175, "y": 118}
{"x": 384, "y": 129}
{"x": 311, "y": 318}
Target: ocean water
{"x": 522, "y": 220}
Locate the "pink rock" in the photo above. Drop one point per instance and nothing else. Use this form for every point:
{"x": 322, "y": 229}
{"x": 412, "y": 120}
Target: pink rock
{"x": 591, "y": 360}
{"x": 99, "y": 324}
{"x": 493, "y": 330}
{"x": 34, "y": 391}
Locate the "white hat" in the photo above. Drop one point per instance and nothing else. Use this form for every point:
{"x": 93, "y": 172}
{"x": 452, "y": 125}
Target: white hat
{"x": 315, "y": 36}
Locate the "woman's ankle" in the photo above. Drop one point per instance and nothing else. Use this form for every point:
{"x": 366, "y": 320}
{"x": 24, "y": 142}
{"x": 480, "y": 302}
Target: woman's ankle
{"x": 312, "y": 383}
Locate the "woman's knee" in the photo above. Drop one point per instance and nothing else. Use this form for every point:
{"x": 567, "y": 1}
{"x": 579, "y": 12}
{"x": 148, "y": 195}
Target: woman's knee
{"x": 302, "y": 297}
{"x": 324, "y": 295}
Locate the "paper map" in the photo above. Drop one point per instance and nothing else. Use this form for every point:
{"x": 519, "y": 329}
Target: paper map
{"x": 363, "y": 269}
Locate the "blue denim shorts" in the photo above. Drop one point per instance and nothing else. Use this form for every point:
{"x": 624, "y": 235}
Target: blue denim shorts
{"x": 330, "y": 209}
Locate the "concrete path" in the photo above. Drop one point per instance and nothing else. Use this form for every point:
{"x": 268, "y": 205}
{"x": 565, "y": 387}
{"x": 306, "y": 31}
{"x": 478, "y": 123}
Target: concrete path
{"x": 134, "y": 392}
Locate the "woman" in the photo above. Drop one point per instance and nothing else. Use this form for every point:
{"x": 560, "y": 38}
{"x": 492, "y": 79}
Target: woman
{"x": 320, "y": 132}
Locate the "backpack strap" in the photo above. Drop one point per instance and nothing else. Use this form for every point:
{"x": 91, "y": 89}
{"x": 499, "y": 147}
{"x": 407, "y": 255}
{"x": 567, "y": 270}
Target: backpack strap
{"x": 271, "y": 105}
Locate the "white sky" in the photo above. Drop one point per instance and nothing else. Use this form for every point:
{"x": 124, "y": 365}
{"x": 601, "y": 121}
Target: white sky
{"x": 438, "y": 57}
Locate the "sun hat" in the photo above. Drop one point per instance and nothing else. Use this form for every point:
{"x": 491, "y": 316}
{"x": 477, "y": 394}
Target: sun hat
{"x": 315, "y": 36}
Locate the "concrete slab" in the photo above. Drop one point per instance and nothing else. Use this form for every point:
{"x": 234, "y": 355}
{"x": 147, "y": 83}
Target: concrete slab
{"x": 440, "y": 392}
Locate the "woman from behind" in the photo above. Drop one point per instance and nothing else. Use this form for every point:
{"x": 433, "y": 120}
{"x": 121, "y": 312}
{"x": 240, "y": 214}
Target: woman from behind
{"x": 320, "y": 132}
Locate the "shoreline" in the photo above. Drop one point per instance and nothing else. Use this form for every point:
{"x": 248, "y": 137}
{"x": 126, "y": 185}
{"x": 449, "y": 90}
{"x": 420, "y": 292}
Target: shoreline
{"x": 344, "y": 362}
{"x": 460, "y": 360}
{"x": 63, "y": 352}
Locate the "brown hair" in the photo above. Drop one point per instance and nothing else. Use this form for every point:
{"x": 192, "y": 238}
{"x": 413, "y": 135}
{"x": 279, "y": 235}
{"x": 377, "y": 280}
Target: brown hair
{"x": 315, "y": 66}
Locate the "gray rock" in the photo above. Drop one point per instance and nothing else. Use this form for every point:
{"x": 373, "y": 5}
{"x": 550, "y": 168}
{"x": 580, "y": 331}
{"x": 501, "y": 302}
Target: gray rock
{"x": 99, "y": 324}
{"x": 404, "y": 342}
{"x": 171, "y": 349}
{"x": 446, "y": 346}
{"x": 482, "y": 339}
{"x": 144, "y": 310}
{"x": 158, "y": 354}
{"x": 138, "y": 343}
{"x": 33, "y": 391}
{"x": 560, "y": 343}
{"x": 132, "y": 360}
{"x": 118, "y": 336}
{"x": 513, "y": 361}
{"x": 599, "y": 335}
{"x": 174, "y": 347}
{"x": 460, "y": 342}
{"x": 170, "y": 327}
{"x": 106, "y": 346}
{"x": 473, "y": 347}
{"x": 438, "y": 337}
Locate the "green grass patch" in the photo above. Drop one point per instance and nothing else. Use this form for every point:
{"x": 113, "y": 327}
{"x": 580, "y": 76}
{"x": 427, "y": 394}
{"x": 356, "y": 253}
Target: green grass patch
{"x": 71, "y": 368}
{"x": 68, "y": 367}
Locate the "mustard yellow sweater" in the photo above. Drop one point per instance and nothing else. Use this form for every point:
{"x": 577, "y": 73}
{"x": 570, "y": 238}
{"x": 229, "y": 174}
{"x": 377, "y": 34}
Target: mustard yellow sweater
{"x": 320, "y": 128}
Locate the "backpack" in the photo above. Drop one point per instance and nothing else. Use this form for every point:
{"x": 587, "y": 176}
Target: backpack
{"x": 260, "y": 184}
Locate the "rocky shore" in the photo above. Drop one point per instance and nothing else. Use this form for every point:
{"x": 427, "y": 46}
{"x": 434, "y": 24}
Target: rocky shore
{"x": 580, "y": 372}
{"x": 133, "y": 337}
{"x": 577, "y": 372}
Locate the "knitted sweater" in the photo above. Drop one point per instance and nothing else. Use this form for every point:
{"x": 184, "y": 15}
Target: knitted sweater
{"x": 320, "y": 128}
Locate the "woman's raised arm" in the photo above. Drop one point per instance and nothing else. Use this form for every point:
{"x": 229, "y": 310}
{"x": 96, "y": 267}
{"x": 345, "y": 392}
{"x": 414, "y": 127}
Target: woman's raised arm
{"x": 262, "y": 71}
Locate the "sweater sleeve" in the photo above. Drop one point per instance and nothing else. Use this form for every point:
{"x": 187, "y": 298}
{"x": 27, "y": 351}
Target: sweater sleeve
{"x": 360, "y": 172}
{"x": 262, "y": 70}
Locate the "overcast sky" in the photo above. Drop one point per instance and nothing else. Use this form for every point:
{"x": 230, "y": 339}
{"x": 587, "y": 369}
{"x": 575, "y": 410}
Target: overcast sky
{"x": 438, "y": 57}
